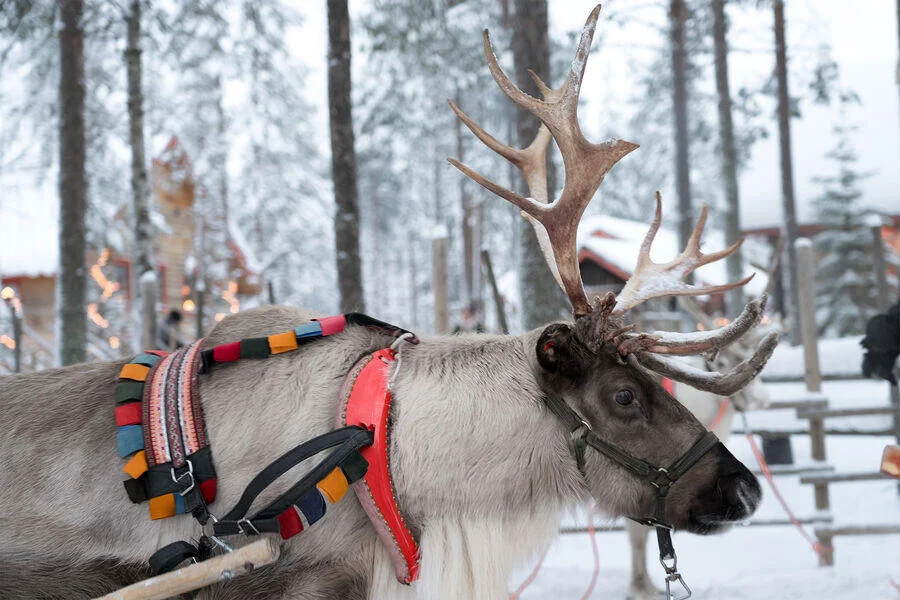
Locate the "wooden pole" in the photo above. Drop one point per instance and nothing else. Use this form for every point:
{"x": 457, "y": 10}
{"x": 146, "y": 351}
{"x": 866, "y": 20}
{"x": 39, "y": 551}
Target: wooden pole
{"x": 439, "y": 274}
{"x": 809, "y": 336}
{"x": 884, "y": 302}
{"x": 878, "y": 263}
{"x": 214, "y": 570}
{"x": 17, "y": 335}
{"x": 498, "y": 300}
{"x": 787, "y": 171}
{"x": 678, "y": 14}
{"x": 807, "y": 313}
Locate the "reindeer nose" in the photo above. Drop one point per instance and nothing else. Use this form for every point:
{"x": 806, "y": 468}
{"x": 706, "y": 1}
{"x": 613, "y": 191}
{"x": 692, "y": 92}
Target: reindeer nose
{"x": 740, "y": 491}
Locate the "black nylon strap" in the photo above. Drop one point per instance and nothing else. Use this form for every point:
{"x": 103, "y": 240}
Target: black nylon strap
{"x": 664, "y": 541}
{"x": 694, "y": 454}
{"x": 366, "y": 321}
{"x": 170, "y": 556}
{"x": 293, "y": 457}
{"x": 266, "y": 520}
{"x": 351, "y": 445}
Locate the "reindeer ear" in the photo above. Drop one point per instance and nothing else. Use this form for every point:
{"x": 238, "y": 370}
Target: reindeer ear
{"x": 559, "y": 352}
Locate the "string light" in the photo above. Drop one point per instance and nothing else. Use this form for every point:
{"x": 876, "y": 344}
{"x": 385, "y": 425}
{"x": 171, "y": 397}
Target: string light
{"x": 188, "y": 305}
{"x": 219, "y": 317}
{"x": 7, "y": 293}
{"x": 114, "y": 342}
{"x": 8, "y": 341}
{"x": 229, "y": 296}
{"x": 95, "y": 316}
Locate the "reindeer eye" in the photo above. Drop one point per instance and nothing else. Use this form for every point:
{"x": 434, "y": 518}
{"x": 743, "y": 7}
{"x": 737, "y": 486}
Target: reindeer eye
{"x": 624, "y": 397}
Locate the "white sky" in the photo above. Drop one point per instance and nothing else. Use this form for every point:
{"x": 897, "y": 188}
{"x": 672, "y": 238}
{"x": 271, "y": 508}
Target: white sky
{"x": 863, "y": 38}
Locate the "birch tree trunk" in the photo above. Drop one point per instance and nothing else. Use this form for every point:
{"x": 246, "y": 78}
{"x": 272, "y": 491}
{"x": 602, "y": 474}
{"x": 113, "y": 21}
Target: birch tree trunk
{"x": 734, "y": 264}
{"x": 143, "y": 249}
{"x": 678, "y": 16}
{"x": 72, "y": 186}
{"x": 343, "y": 159}
{"x": 787, "y": 174}
{"x": 542, "y": 300}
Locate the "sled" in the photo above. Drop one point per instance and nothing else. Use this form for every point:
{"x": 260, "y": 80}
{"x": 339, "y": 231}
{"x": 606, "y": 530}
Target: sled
{"x": 199, "y": 575}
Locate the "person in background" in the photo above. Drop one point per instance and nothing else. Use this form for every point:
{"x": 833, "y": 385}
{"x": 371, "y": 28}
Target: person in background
{"x": 882, "y": 344}
{"x": 170, "y": 331}
{"x": 469, "y": 322}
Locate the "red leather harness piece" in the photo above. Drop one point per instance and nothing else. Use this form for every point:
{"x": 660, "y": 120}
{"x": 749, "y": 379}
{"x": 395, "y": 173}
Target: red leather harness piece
{"x": 368, "y": 405}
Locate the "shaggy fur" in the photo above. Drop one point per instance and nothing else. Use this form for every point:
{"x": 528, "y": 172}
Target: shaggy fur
{"x": 481, "y": 469}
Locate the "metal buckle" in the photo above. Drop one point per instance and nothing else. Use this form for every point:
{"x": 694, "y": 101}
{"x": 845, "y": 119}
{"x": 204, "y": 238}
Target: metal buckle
{"x": 652, "y": 522}
{"x": 246, "y": 521}
{"x": 673, "y": 576}
{"x": 189, "y": 474}
{"x": 661, "y": 471}
{"x": 676, "y": 577}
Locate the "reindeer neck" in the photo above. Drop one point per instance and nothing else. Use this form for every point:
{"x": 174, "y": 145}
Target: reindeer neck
{"x": 471, "y": 435}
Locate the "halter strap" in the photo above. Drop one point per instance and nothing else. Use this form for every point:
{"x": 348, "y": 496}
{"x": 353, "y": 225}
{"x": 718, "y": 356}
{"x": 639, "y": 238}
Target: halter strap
{"x": 660, "y": 478}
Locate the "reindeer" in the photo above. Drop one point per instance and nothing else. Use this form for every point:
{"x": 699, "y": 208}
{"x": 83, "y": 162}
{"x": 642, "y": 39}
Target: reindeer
{"x": 715, "y": 412}
{"x": 492, "y": 437}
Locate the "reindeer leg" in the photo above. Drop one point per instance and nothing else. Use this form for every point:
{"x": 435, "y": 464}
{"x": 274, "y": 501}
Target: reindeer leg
{"x": 641, "y": 588}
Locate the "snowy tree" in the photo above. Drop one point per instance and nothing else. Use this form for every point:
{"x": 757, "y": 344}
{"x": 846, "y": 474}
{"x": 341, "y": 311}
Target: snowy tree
{"x": 846, "y": 290}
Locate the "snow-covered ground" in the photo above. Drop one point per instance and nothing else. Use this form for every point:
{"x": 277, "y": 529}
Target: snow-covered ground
{"x": 758, "y": 563}
{"x": 839, "y": 357}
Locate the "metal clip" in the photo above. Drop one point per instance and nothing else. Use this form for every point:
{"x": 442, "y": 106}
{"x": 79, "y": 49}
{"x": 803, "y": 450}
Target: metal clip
{"x": 673, "y": 576}
{"x": 251, "y": 526}
{"x": 189, "y": 474}
{"x": 676, "y": 577}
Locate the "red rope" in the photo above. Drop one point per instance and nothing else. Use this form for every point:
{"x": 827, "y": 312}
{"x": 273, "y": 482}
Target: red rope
{"x": 816, "y": 546}
{"x": 530, "y": 579}
{"x": 596, "y": 550}
{"x": 723, "y": 408}
{"x": 534, "y": 572}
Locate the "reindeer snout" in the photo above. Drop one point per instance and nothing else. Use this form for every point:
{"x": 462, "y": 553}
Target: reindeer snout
{"x": 740, "y": 491}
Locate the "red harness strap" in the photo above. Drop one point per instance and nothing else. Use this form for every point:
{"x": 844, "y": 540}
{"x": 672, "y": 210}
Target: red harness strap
{"x": 368, "y": 404}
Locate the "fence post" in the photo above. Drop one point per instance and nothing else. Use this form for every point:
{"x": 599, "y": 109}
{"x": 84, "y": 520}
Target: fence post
{"x": 809, "y": 335}
{"x": 884, "y": 302}
{"x": 439, "y": 275}
{"x": 826, "y": 548}
{"x": 807, "y": 314}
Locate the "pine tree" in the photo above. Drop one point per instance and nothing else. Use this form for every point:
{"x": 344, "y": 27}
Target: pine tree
{"x": 845, "y": 281}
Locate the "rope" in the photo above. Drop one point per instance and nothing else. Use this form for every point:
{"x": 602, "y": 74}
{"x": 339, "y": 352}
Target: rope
{"x": 534, "y": 572}
{"x": 723, "y": 408}
{"x": 816, "y": 546}
{"x": 596, "y": 550}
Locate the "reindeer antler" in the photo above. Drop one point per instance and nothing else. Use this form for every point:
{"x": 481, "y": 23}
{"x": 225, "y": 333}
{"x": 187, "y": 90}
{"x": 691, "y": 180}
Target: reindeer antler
{"x": 652, "y": 280}
{"x": 556, "y": 226}
{"x": 585, "y": 164}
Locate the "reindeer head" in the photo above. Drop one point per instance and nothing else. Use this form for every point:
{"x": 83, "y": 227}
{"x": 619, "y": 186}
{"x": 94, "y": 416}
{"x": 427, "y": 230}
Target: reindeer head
{"x": 598, "y": 364}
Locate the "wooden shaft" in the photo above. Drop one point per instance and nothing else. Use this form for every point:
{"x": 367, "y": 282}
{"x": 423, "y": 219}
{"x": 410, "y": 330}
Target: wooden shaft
{"x": 196, "y": 576}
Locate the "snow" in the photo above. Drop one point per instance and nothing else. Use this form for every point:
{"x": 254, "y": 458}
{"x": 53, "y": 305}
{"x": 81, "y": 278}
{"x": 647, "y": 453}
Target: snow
{"x": 838, "y": 357}
{"x": 754, "y": 562}
{"x": 29, "y": 228}
{"x": 237, "y": 236}
{"x": 619, "y": 241}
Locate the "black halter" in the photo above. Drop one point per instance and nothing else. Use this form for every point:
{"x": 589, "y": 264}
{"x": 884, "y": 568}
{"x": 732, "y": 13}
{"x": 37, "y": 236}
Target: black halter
{"x": 660, "y": 478}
